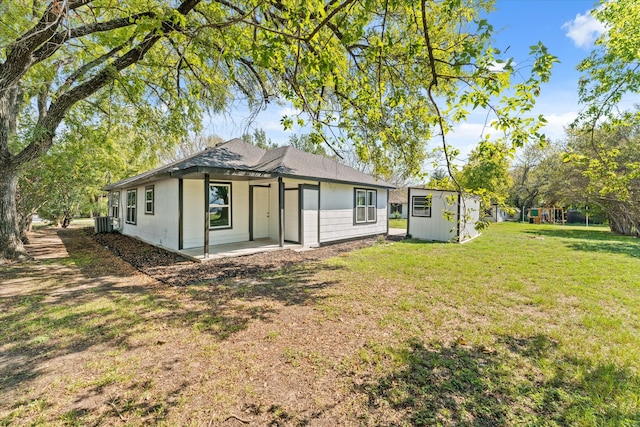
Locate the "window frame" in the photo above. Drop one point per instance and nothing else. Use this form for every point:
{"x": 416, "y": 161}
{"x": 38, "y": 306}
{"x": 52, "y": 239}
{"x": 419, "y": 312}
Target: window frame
{"x": 228, "y": 205}
{"x": 132, "y": 208}
{"x": 149, "y": 189}
{"x": 114, "y": 204}
{"x": 426, "y": 206}
{"x": 370, "y": 206}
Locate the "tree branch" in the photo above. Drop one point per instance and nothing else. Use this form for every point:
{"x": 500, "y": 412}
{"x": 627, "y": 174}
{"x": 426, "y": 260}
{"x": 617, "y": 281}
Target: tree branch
{"x": 52, "y": 45}
{"x": 58, "y": 109}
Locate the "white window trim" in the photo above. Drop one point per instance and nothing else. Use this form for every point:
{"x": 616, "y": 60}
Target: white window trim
{"x": 114, "y": 204}
{"x": 132, "y": 219}
{"x": 149, "y": 189}
{"x": 366, "y": 206}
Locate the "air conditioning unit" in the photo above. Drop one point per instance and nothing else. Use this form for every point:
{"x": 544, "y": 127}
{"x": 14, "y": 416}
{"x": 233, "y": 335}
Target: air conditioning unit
{"x": 103, "y": 224}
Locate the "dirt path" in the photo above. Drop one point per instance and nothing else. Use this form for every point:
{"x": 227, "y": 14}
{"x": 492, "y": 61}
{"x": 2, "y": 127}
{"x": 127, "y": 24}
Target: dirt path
{"x": 88, "y": 339}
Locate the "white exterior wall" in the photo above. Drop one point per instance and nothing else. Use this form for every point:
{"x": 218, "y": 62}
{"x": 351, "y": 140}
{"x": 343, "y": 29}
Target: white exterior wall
{"x": 471, "y": 210}
{"x": 436, "y": 227}
{"x": 310, "y": 217}
{"x": 194, "y": 214}
{"x": 337, "y": 213}
{"x": 161, "y": 228}
{"x": 405, "y": 209}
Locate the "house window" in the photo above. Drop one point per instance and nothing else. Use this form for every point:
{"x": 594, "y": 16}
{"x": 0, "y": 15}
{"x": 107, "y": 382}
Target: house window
{"x": 132, "y": 196}
{"x": 396, "y": 208}
{"x": 365, "y": 209}
{"x": 114, "y": 203}
{"x": 219, "y": 205}
{"x": 421, "y": 206}
{"x": 148, "y": 200}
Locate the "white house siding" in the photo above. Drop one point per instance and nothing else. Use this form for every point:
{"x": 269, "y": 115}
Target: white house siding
{"x": 161, "y": 228}
{"x": 194, "y": 211}
{"x": 310, "y": 217}
{"x": 470, "y": 207}
{"x": 337, "y": 210}
{"x": 436, "y": 227}
{"x": 403, "y": 214}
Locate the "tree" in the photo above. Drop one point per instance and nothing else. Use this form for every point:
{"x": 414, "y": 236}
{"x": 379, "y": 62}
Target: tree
{"x": 259, "y": 139}
{"x": 613, "y": 68}
{"x": 308, "y": 143}
{"x": 486, "y": 174}
{"x": 388, "y": 75}
{"x": 188, "y": 146}
{"x": 609, "y": 163}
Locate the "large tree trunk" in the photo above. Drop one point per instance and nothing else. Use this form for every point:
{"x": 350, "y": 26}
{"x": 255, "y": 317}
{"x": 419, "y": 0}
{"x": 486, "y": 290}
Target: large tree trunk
{"x": 11, "y": 247}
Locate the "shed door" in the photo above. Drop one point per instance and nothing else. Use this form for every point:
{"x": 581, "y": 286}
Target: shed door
{"x": 291, "y": 216}
{"x": 260, "y": 212}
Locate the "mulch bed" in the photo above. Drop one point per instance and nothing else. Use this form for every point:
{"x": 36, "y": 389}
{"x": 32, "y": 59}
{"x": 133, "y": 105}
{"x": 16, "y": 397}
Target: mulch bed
{"x": 174, "y": 270}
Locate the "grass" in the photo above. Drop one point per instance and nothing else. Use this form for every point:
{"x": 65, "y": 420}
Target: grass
{"x": 397, "y": 223}
{"x": 527, "y": 325}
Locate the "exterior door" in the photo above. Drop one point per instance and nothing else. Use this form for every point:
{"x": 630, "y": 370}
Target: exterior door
{"x": 291, "y": 216}
{"x": 260, "y": 212}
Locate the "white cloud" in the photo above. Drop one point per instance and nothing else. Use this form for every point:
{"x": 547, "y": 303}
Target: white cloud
{"x": 289, "y": 111}
{"x": 584, "y": 30}
{"x": 556, "y": 124}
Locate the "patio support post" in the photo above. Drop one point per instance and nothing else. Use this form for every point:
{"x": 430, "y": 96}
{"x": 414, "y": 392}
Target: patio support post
{"x": 180, "y": 214}
{"x": 281, "y": 210}
{"x": 206, "y": 215}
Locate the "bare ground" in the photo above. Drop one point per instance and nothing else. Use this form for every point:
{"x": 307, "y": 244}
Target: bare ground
{"x": 236, "y": 349}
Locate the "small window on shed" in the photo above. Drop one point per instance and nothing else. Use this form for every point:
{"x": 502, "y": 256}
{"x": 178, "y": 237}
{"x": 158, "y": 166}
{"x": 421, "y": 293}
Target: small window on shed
{"x": 421, "y": 206}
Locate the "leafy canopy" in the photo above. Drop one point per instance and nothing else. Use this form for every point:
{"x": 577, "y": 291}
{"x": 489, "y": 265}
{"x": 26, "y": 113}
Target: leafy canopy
{"x": 386, "y": 75}
{"x": 613, "y": 68}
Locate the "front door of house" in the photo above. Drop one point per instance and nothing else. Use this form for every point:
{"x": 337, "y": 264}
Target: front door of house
{"x": 260, "y": 212}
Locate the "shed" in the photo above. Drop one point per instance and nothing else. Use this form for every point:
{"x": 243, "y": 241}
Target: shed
{"x": 442, "y": 215}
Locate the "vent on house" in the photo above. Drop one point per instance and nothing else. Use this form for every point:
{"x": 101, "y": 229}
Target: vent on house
{"x": 103, "y": 224}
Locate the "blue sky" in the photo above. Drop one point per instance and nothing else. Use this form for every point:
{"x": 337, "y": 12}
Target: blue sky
{"x": 564, "y": 26}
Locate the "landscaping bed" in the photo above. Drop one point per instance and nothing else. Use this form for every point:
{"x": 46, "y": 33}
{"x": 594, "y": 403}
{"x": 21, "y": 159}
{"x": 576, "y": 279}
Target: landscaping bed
{"x": 175, "y": 270}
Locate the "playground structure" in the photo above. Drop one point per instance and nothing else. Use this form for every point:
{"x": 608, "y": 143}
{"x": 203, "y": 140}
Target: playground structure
{"x": 550, "y": 215}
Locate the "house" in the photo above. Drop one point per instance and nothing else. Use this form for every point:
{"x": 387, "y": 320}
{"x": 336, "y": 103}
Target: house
{"x": 496, "y": 214}
{"x": 442, "y": 215}
{"x": 398, "y": 203}
{"x": 237, "y": 192}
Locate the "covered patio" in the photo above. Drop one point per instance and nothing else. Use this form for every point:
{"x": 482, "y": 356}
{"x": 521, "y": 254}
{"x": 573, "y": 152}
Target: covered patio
{"x": 238, "y": 249}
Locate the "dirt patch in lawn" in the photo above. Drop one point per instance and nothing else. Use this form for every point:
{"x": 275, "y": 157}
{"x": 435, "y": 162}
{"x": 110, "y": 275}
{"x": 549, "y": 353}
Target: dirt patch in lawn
{"x": 92, "y": 335}
{"x": 172, "y": 269}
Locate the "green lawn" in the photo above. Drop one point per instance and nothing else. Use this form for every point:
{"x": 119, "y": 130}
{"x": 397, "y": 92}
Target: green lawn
{"x": 397, "y": 223}
{"x": 533, "y": 325}
{"x": 526, "y": 325}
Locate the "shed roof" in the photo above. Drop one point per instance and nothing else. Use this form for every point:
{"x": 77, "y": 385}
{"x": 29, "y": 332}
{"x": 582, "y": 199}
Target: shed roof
{"x": 237, "y": 157}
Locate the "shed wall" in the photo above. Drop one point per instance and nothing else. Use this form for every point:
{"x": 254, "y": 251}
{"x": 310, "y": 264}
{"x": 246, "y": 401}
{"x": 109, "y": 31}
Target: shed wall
{"x": 436, "y": 227}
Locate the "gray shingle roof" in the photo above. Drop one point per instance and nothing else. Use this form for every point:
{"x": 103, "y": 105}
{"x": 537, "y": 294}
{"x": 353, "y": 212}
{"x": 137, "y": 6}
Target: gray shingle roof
{"x": 239, "y": 156}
